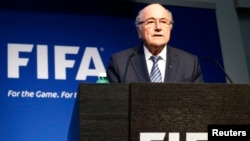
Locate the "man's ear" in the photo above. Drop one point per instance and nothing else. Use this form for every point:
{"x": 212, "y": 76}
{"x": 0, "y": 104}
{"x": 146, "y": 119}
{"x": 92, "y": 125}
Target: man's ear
{"x": 138, "y": 32}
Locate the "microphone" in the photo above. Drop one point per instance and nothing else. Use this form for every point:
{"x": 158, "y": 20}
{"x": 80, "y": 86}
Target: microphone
{"x": 126, "y": 69}
{"x": 221, "y": 68}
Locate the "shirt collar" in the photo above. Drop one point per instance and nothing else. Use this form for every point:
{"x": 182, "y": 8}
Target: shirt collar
{"x": 149, "y": 54}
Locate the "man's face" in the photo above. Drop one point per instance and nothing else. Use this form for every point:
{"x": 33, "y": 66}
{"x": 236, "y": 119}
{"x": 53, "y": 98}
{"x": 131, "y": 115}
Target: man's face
{"x": 155, "y": 26}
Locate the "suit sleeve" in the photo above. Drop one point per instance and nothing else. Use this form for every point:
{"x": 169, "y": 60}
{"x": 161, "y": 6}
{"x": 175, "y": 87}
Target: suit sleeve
{"x": 197, "y": 75}
{"x": 112, "y": 71}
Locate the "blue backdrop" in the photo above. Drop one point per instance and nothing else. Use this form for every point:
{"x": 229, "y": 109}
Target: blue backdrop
{"x": 45, "y": 55}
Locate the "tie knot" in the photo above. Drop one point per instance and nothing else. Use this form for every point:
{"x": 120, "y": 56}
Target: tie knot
{"x": 155, "y": 58}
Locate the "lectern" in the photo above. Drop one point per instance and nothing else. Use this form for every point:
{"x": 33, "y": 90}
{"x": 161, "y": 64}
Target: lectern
{"x": 120, "y": 112}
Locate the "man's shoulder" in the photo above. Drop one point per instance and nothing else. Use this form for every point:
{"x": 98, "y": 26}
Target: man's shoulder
{"x": 179, "y": 51}
{"x": 127, "y": 51}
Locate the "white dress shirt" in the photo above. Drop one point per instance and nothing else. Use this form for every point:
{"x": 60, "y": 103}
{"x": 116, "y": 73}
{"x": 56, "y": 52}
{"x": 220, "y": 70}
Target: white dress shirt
{"x": 161, "y": 62}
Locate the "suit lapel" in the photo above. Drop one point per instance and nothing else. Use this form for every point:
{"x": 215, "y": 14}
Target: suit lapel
{"x": 171, "y": 66}
{"x": 140, "y": 66}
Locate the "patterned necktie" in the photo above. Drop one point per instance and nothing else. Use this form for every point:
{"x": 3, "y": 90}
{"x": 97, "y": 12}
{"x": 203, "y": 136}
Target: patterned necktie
{"x": 155, "y": 74}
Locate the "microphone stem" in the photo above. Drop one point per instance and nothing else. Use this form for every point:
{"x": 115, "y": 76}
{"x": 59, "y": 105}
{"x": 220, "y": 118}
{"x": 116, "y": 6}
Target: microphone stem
{"x": 227, "y": 76}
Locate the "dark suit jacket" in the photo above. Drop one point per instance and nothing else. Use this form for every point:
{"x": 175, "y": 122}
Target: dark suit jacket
{"x": 130, "y": 66}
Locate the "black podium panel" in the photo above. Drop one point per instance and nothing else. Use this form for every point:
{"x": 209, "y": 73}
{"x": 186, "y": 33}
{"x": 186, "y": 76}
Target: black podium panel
{"x": 103, "y": 112}
{"x": 186, "y": 107}
{"x": 120, "y": 112}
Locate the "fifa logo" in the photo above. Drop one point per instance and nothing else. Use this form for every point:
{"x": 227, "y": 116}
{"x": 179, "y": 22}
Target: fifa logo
{"x": 173, "y": 136}
{"x": 61, "y": 63}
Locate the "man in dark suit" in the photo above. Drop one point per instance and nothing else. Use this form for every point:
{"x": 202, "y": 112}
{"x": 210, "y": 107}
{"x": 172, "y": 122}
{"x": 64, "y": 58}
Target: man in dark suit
{"x": 154, "y": 24}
